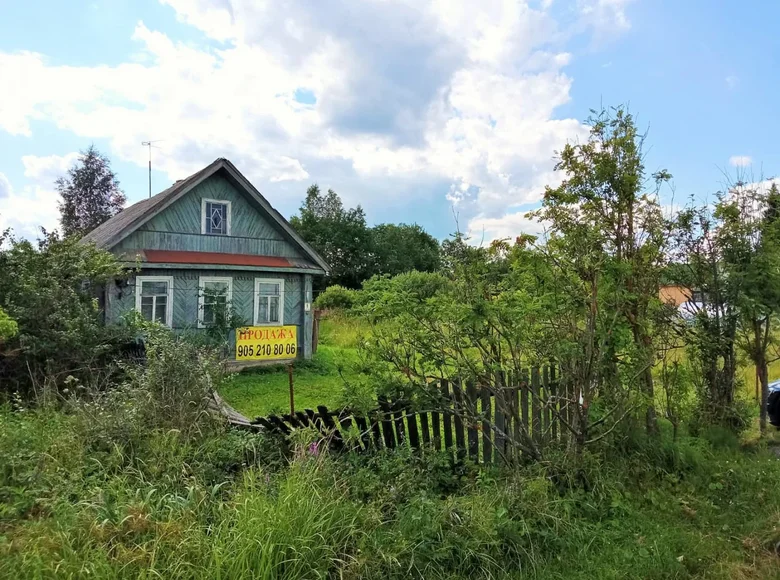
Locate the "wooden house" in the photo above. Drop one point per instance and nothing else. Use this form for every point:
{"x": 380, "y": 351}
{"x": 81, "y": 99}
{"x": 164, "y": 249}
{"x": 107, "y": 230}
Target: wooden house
{"x": 211, "y": 244}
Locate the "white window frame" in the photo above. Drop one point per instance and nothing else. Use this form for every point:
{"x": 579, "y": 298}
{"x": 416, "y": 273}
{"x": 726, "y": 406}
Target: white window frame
{"x": 256, "y": 295}
{"x": 202, "y": 294}
{"x": 139, "y": 280}
{"x": 203, "y": 203}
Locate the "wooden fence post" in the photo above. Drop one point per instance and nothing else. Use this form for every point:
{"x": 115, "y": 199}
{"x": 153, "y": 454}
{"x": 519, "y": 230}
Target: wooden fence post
{"x": 447, "y": 413}
{"x": 487, "y": 425}
{"x": 473, "y": 434}
{"x": 536, "y": 412}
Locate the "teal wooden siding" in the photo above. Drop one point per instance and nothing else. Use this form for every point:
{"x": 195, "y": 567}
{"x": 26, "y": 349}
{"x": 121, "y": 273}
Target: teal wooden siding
{"x": 204, "y": 243}
{"x": 178, "y": 227}
{"x": 121, "y": 300}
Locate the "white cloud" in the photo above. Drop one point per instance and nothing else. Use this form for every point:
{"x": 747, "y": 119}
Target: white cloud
{"x": 740, "y": 160}
{"x": 465, "y": 93}
{"x": 45, "y": 170}
{"x": 25, "y": 211}
{"x": 732, "y": 81}
{"x": 5, "y": 187}
{"x": 607, "y": 17}
{"x": 486, "y": 230}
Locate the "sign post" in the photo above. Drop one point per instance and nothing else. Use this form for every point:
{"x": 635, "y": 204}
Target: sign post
{"x": 292, "y": 391}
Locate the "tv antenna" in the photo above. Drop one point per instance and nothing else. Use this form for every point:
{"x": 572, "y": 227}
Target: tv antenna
{"x": 150, "y": 144}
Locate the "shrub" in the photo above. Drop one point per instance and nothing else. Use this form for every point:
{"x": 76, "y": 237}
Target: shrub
{"x": 8, "y": 326}
{"x": 335, "y": 298}
{"x": 170, "y": 390}
{"x": 50, "y": 290}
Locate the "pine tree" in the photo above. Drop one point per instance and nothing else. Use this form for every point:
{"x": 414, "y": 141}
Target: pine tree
{"x": 90, "y": 193}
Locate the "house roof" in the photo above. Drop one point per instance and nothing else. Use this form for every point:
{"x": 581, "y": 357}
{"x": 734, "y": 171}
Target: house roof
{"x": 113, "y": 231}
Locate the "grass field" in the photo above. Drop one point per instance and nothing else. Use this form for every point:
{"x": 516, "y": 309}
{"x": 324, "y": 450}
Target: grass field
{"x": 320, "y": 381}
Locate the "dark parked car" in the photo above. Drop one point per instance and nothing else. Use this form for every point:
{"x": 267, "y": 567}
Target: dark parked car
{"x": 773, "y": 404}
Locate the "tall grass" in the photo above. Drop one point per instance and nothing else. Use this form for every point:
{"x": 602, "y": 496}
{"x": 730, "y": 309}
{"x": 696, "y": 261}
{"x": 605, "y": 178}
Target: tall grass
{"x": 177, "y": 508}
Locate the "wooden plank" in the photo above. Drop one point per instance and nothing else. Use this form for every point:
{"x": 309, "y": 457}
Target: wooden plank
{"x": 424, "y": 427}
{"x": 446, "y": 413}
{"x": 292, "y": 420}
{"x": 303, "y": 418}
{"x": 398, "y": 416}
{"x": 387, "y": 424}
{"x": 365, "y": 433}
{"x": 473, "y": 434}
{"x": 524, "y": 387}
{"x": 411, "y": 428}
{"x": 499, "y": 441}
{"x": 436, "y": 424}
{"x": 334, "y": 435}
{"x": 266, "y": 424}
{"x": 536, "y": 411}
{"x": 458, "y": 419}
{"x": 546, "y": 414}
{"x": 487, "y": 434}
{"x": 376, "y": 430}
{"x": 279, "y": 424}
{"x": 554, "y": 402}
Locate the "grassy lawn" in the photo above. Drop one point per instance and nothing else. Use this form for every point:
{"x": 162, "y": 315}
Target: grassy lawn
{"x": 320, "y": 381}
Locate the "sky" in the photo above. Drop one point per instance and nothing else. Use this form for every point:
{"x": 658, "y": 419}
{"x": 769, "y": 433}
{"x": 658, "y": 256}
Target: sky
{"x": 443, "y": 113}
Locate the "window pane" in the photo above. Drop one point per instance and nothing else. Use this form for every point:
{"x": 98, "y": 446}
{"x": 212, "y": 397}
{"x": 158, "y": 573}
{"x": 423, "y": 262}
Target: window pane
{"x": 262, "y": 309}
{"x": 160, "y": 310}
{"x": 274, "y": 309}
{"x": 268, "y": 289}
{"x": 213, "y": 287}
{"x": 216, "y": 218}
{"x": 154, "y": 288}
{"x": 208, "y": 314}
{"x": 147, "y": 306}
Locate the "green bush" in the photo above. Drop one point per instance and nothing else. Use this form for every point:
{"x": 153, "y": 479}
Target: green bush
{"x": 335, "y": 298}
{"x": 51, "y": 291}
{"x": 8, "y": 326}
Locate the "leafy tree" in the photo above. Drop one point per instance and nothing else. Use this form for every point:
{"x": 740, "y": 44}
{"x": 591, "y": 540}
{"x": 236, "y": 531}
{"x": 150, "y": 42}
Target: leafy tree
{"x": 711, "y": 336}
{"x": 749, "y": 240}
{"x": 604, "y": 209}
{"x": 90, "y": 194}
{"x": 403, "y": 248}
{"x": 339, "y": 235}
{"x": 50, "y": 290}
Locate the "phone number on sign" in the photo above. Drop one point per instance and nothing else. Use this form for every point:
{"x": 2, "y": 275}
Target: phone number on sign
{"x": 266, "y": 350}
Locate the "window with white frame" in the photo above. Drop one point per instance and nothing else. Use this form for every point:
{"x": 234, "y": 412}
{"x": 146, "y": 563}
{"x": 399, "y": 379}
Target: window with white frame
{"x": 269, "y": 301}
{"x": 215, "y": 217}
{"x": 154, "y": 298}
{"x": 214, "y": 297}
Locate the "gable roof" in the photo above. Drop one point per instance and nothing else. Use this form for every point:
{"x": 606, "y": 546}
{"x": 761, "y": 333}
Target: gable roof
{"x": 113, "y": 231}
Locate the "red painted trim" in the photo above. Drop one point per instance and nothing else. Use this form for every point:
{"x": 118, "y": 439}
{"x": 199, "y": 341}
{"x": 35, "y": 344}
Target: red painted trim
{"x": 182, "y": 257}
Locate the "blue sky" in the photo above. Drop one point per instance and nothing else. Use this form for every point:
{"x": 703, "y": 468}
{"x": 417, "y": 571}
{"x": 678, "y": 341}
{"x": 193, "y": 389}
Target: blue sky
{"x": 418, "y": 111}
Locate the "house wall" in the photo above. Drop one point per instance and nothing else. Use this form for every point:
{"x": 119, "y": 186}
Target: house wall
{"x": 178, "y": 227}
{"x": 675, "y": 295}
{"x": 121, "y": 299}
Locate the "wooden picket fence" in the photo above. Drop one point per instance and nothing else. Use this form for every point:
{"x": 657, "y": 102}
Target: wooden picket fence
{"x": 485, "y": 424}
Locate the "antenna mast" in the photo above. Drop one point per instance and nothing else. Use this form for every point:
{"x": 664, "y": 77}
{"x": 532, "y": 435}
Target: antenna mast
{"x": 149, "y": 144}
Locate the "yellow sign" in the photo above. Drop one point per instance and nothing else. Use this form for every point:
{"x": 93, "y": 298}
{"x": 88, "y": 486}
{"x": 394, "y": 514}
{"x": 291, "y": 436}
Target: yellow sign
{"x": 266, "y": 342}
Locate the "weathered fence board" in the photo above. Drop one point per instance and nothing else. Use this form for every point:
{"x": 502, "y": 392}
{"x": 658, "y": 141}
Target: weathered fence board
{"x": 484, "y": 423}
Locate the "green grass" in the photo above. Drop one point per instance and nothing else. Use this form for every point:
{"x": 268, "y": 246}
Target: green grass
{"x": 321, "y": 381}
{"x": 318, "y": 382}
{"x": 214, "y": 508}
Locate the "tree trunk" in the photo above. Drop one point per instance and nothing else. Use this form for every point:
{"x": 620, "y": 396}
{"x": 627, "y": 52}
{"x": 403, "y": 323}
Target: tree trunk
{"x": 644, "y": 340}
